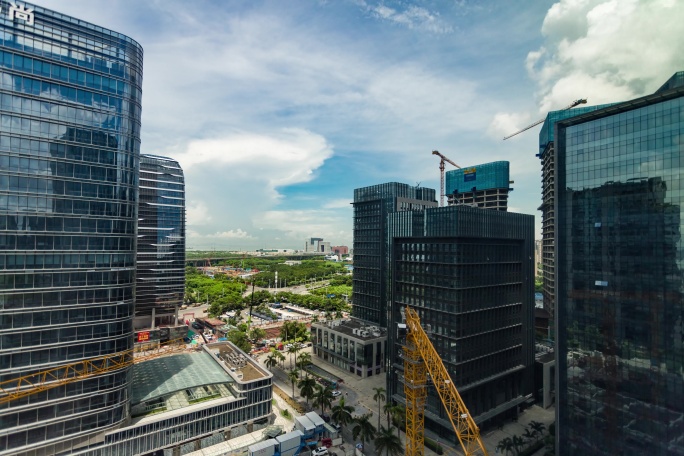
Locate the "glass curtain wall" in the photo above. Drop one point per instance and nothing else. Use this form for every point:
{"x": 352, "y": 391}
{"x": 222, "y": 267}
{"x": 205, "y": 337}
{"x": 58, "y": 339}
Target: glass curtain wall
{"x": 619, "y": 277}
{"x": 69, "y": 146}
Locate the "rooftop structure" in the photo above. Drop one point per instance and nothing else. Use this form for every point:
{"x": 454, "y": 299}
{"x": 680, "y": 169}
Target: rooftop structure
{"x": 189, "y": 399}
{"x": 485, "y": 186}
{"x": 352, "y": 345}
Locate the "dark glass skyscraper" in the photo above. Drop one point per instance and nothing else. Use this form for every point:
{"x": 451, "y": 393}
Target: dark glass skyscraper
{"x": 161, "y": 241}
{"x": 371, "y": 206}
{"x": 620, "y": 175}
{"x": 469, "y": 274}
{"x": 69, "y": 145}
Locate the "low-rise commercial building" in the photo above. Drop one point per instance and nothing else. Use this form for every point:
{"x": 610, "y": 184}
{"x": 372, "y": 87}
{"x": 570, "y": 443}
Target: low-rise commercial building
{"x": 350, "y": 345}
{"x": 189, "y": 401}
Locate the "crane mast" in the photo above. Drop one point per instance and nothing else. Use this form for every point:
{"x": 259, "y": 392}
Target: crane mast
{"x": 442, "y": 159}
{"x": 421, "y": 358}
{"x": 570, "y": 106}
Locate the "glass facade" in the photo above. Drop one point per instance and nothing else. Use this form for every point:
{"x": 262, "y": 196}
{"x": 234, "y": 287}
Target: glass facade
{"x": 548, "y": 161}
{"x": 469, "y": 274}
{"x": 161, "y": 239}
{"x": 69, "y": 143}
{"x": 371, "y": 206}
{"x": 619, "y": 278}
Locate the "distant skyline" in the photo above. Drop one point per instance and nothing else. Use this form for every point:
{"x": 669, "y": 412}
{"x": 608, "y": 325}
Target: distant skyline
{"x": 277, "y": 110}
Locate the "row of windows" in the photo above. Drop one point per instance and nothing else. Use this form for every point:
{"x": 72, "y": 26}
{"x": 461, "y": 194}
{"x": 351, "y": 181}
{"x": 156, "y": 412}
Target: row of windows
{"x": 637, "y": 150}
{"x": 143, "y": 439}
{"x": 90, "y": 332}
{"x": 106, "y": 57}
{"x": 49, "y": 204}
{"x": 59, "y": 112}
{"x": 51, "y": 130}
{"x": 64, "y": 73}
{"x": 482, "y": 368}
{"x": 25, "y": 222}
{"x": 88, "y": 296}
{"x": 73, "y": 407}
{"x": 65, "y": 261}
{"x": 57, "y": 187}
{"x": 64, "y": 279}
{"x": 61, "y": 93}
{"x": 18, "y": 320}
{"x": 64, "y": 152}
{"x": 60, "y": 429}
{"x": 78, "y": 243}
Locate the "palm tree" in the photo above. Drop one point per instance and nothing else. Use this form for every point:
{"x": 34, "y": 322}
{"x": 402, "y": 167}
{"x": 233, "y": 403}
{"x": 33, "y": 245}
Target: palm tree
{"x": 387, "y": 408}
{"x": 379, "y": 397}
{"x": 293, "y": 375}
{"x": 363, "y": 429}
{"x": 342, "y": 414}
{"x": 290, "y": 350}
{"x": 518, "y": 443}
{"x": 306, "y": 388}
{"x": 271, "y": 361}
{"x": 399, "y": 417}
{"x": 323, "y": 397}
{"x": 529, "y": 435}
{"x": 505, "y": 446}
{"x": 279, "y": 356}
{"x": 387, "y": 441}
{"x": 304, "y": 360}
{"x": 537, "y": 427}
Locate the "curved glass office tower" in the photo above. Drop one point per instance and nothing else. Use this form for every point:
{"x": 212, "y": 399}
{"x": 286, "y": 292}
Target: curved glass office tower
{"x": 161, "y": 241}
{"x": 69, "y": 150}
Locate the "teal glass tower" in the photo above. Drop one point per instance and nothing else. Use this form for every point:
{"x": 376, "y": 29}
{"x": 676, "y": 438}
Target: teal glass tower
{"x": 485, "y": 186}
{"x": 619, "y": 310}
{"x": 69, "y": 145}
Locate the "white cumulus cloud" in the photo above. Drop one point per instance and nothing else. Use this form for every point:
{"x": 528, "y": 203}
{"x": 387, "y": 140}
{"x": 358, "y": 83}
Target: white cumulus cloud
{"x": 607, "y": 50}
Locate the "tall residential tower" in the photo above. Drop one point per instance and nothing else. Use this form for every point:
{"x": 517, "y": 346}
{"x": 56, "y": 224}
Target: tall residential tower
{"x": 69, "y": 146}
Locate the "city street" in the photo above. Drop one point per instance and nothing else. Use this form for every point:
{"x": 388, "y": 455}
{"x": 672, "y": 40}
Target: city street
{"x": 359, "y": 394}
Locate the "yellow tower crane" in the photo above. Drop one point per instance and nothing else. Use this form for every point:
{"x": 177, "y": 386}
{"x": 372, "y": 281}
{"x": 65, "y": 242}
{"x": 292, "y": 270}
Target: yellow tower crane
{"x": 421, "y": 358}
{"x": 441, "y": 174}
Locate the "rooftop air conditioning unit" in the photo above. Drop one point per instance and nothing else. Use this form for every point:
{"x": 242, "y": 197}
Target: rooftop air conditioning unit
{"x": 364, "y": 333}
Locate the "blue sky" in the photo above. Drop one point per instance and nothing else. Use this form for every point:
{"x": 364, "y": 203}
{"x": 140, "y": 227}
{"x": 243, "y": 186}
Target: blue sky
{"x": 278, "y": 110}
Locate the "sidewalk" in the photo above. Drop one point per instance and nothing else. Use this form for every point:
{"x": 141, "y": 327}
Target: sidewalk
{"x": 491, "y": 438}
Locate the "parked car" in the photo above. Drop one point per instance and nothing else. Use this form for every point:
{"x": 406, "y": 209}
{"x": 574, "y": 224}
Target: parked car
{"x": 196, "y": 325}
{"x": 320, "y": 451}
{"x": 336, "y": 393}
